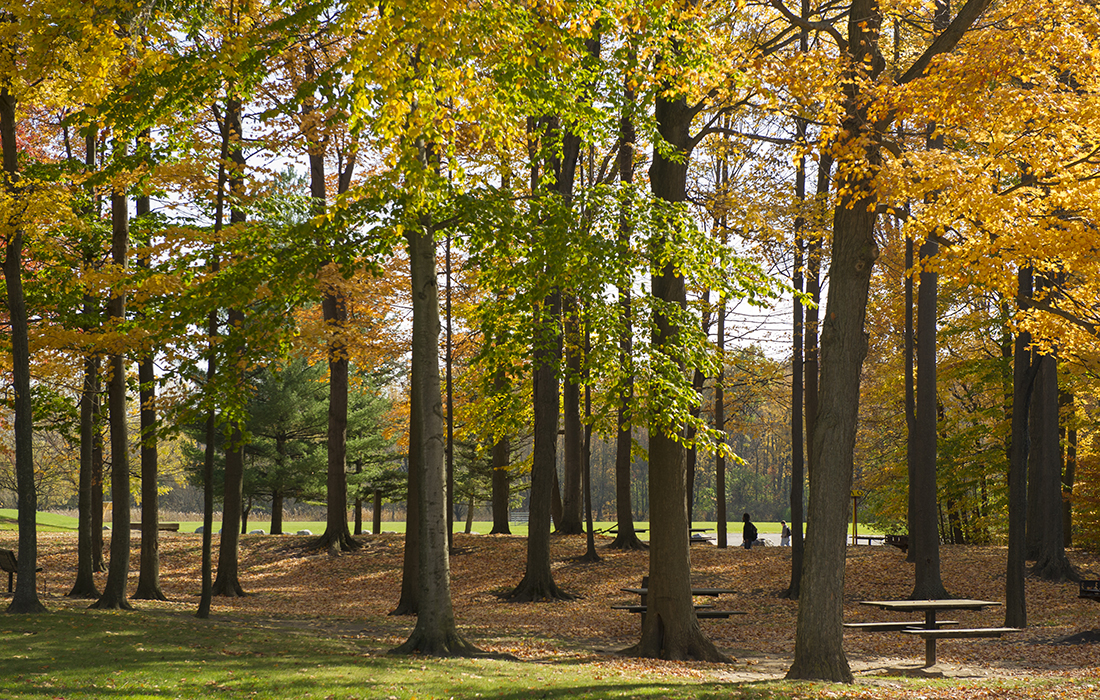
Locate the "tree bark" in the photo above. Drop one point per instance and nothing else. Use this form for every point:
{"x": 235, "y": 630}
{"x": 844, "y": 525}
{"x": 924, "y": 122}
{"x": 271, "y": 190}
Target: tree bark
{"x": 114, "y": 590}
{"x": 625, "y": 535}
{"x": 924, "y": 536}
{"x": 148, "y": 586}
{"x": 25, "y": 597}
{"x": 409, "y": 602}
{"x": 502, "y": 483}
{"x": 538, "y": 581}
{"x": 720, "y": 425}
{"x": 1051, "y": 563}
{"x": 1023, "y": 379}
{"x": 572, "y": 442}
{"x": 671, "y": 629}
{"x": 84, "y": 586}
{"x": 435, "y": 633}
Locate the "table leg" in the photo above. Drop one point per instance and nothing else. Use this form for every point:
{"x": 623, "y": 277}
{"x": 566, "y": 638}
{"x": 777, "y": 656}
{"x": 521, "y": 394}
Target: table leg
{"x": 930, "y": 643}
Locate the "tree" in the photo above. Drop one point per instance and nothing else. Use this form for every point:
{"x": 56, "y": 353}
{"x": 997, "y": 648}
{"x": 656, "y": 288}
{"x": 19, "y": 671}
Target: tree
{"x": 818, "y": 643}
{"x": 114, "y": 590}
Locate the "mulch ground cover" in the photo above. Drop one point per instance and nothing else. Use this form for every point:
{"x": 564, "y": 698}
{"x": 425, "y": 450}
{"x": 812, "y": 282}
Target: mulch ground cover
{"x": 352, "y": 595}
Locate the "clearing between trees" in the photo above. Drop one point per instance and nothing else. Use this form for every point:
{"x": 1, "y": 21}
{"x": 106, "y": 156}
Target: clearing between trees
{"x": 351, "y": 596}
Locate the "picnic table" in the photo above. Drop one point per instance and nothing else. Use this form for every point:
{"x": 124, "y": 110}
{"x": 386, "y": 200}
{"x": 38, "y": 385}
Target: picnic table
{"x": 931, "y": 629}
{"x": 10, "y": 565}
{"x": 871, "y": 539}
{"x": 702, "y": 611}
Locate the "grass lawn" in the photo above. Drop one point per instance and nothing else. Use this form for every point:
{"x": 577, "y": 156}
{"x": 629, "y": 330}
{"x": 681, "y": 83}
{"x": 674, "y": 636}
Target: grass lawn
{"x": 48, "y": 522}
{"x": 317, "y": 626}
{"x": 161, "y": 653}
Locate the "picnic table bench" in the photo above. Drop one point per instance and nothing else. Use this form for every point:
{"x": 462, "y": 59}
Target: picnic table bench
{"x": 1090, "y": 590}
{"x": 899, "y": 541}
{"x": 931, "y": 629}
{"x": 166, "y": 527}
{"x": 9, "y": 564}
{"x": 702, "y": 610}
{"x": 871, "y": 539}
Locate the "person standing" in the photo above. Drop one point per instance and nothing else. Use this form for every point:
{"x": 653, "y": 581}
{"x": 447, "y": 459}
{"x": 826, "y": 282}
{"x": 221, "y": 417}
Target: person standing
{"x": 749, "y": 532}
{"x": 785, "y": 534}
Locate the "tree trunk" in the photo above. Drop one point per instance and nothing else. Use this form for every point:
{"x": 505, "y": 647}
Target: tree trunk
{"x": 538, "y": 581}
{"x": 625, "y": 536}
{"x": 819, "y": 648}
{"x": 811, "y": 372}
{"x": 409, "y": 602}
{"x": 98, "y": 564}
{"x": 277, "y": 512}
{"x": 84, "y": 586}
{"x": 25, "y": 597}
{"x": 148, "y": 586}
{"x": 720, "y": 425}
{"x": 376, "y": 513}
{"x": 572, "y": 443}
{"x": 435, "y": 633}
{"x": 924, "y": 539}
{"x": 227, "y": 583}
{"x": 671, "y": 629}
{"x": 114, "y": 590}
{"x": 501, "y": 487}
{"x": 1051, "y": 563}
{"x": 1069, "y": 473}
{"x": 1023, "y": 379}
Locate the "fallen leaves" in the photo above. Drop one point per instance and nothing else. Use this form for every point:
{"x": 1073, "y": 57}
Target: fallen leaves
{"x": 352, "y": 595}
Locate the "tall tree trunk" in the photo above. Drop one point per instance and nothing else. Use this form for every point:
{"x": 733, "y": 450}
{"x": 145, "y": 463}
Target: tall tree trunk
{"x": 671, "y": 629}
{"x": 572, "y": 439}
{"x": 625, "y": 535}
{"x": 910, "y": 379}
{"x": 538, "y": 581}
{"x": 1069, "y": 472}
{"x": 1051, "y": 563}
{"x": 409, "y": 602}
{"x": 227, "y": 582}
{"x": 25, "y": 597}
{"x": 1023, "y": 381}
{"x": 84, "y": 586}
{"x": 819, "y": 650}
{"x": 720, "y": 426}
{"x": 114, "y": 590}
{"x": 798, "y": 391}
{"x": 435, "y": 633}
{"x": 502, "y": 478}
{"x": 924, "y": 538}
{"x": 148, "y": 586}
{"x": 98, "y": 564}
{"x": 811, "y": 369}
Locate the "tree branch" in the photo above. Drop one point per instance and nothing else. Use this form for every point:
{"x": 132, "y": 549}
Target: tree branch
{"x": 813, "y": 26}
{"x": 946, "y": 42}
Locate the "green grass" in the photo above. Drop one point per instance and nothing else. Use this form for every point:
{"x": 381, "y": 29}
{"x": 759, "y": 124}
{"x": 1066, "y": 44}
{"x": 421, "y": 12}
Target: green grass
{"x": 87, "y": 654}
{"x": 60, "y": 523}
{"x": 160, "y": 653}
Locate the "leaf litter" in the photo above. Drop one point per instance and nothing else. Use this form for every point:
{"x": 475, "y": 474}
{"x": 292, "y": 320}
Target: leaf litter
{"x": 351, "y": 596}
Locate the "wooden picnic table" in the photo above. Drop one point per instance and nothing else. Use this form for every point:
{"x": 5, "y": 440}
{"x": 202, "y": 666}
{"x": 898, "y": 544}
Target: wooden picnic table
{"x": 704, "y": 610}
{"x": 713, "y": 592}
{"x": 932, "y": 629}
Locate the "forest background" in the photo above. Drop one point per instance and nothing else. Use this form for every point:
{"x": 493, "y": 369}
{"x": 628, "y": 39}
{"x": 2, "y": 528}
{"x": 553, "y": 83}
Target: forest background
{"x": 623, "y": 197}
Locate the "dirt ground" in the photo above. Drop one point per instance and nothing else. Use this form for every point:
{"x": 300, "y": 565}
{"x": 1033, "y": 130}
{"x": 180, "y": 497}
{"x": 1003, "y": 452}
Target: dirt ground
{"x": 352, "y": 594}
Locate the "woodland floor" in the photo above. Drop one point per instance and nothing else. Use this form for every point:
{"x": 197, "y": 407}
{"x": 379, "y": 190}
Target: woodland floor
{"x": 351, "y": 596}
